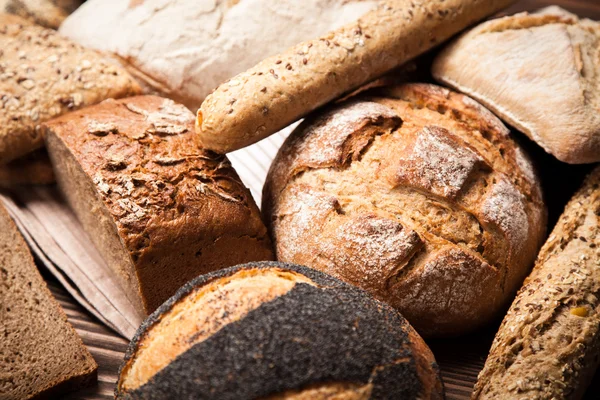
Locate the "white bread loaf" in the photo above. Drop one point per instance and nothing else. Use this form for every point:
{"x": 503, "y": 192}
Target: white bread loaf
{"x": 186, "y": 48}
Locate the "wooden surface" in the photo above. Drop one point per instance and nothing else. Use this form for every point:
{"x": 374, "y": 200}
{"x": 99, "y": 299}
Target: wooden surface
{"x": 460, "y": 359}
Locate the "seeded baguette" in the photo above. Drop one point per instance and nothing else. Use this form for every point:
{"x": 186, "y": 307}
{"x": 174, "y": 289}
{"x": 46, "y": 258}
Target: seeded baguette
{"x": 548, "y": 345}
{"x": 283, "y": 88}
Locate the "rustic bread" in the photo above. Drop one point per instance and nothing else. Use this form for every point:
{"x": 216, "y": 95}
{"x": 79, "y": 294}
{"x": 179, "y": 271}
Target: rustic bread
{"x": 43, "y": 75}
{"x": 41, "y": 355}
{"x": 32, "y": 169}
{"x": 276, "y": 331}
{"x": 211, "y": 41}
{"x": 160, "y": 209}
{"x": 513, "y": 64}
{"x": 285, "y": 87}
{"x": 48, "y": 13}
{"x": 416, "y": 194}
{"x": 548, "y": 345}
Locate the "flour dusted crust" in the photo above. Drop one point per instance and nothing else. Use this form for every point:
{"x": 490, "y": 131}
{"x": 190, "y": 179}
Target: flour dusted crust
{"x": 43, "y": 75}
{"x": 160, "y": 209}
{"x": 416, "y": 194}
{"x": 548, "y": 344}
{"x": 48, "y": 13}
{"x": 539, "y": 72}
{"x": 276, "y": 331}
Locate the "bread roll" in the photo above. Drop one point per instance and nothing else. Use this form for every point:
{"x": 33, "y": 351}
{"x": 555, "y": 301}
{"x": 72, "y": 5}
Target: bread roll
{"x": 43, "y": 75}
{"x": 32, "y": 169}
{"x": 48, "y": 13}
{"x": 526, "y": 68}
{"x": 548, "y": 345}
{"x": 159, "y": 209}
{"x": 416, "y": 194}
{"x": 276, "y": 331}
{"x": 211, "y": 40}
{"x": 41, "y": 354}
{"x": 285, "y": 87}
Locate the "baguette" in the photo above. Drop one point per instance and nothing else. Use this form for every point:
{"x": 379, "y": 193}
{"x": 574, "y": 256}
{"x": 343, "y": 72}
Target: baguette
{"x": 283, "y": 88}
{"x": 548, "y": 345}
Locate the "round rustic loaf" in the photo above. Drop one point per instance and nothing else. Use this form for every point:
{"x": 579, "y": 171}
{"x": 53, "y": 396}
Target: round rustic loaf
{"x": 416, "y": 194}
{"x": 276, "y": 331}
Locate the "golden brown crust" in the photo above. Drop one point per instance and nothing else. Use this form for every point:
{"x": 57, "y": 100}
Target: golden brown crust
{"x": 285, "y": 87}
{"x": 548, "y": 344}
{"x": 42, "y": 76}
{"x": 160, "y": 209}
{"x": 32, "y": 169}
{"x": 416, "y": 194}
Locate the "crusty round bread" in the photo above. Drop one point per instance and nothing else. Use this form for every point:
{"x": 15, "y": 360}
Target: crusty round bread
{"x": 276, "y": 331}
{"x": 416, "y": 194}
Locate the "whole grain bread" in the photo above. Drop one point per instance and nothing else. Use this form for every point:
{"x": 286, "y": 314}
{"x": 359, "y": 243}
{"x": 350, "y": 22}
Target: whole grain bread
{"x": 41, "y": 355}
{"x": 160, "y": 209}
{"x": 47, "y": 13}
{"x": 416, "y": 194}
{"x": 276, "y": 331}
{"x": 526, "y": 68}
{"x": 285, "y": 87}
{"x": 548, "y": 346}
{"x": 44, "y": 75}
{"x": 32, "y": 169}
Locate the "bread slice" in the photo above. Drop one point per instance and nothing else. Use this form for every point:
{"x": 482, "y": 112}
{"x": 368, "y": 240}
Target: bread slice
{"x": 48, "y": 13}
{"x": 40, "y": 353}
{"x": 32, "y": 169}
{"x": 159, "y": 208}
{"x": 539, "y": 72}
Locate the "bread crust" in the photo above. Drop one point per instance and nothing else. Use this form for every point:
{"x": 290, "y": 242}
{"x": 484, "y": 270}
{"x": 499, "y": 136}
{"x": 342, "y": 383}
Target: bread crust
{"x": 43, "y": 75}
{"x": 32, "y": 169}
{"x": 160, "y": 209}
{"x": 285, "y": 87}
{"x": 47, "y": 13}
{"x": 416, "y": 194}
{"x": 548, "y": 345}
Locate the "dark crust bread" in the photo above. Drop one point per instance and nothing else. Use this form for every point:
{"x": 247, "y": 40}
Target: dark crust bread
{"x": 331, "y": 332}
{"x": 32, "y": 169}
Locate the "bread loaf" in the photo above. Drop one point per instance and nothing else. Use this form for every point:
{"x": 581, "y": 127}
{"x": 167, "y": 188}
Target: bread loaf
{"x": 276, "y": 331}
{"x": 548, "y": 346}
{"x": 43, "y": 75}
{"x": 32, "y": 169}
{"x": 159, "y": 209}
{"x": 41, "y": 355}
{"x": 416, "y": 194}
{"x": 285, "y": 87}
{"x": 48, "y": 13}
{"x": 210, "y": 42}
{"x": 512, "y": 64}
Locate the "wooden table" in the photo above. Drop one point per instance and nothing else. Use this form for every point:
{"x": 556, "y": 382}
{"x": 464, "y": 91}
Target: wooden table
{"x": 460, "y": 359}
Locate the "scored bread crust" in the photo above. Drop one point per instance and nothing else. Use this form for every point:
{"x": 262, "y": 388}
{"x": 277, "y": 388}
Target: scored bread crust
{"x": 42, "y": 355}
{"x": 416, "y": 194}
{"x": 47, "y": 13}
{"x": 44, "y": 75}
{"x": 287, "y": 86}
{"x": 548, "y": 345}
{"x": 159, "y": 208}
{"x": 283, "y": 347}
{"x": 513, "y": 64}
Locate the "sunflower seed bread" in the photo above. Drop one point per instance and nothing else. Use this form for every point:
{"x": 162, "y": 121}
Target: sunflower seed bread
{"x": 276, "y": 331}
{"x": 160, "y": 209}
{"x": 43, "y": 75}
{"x": 41, "y": 355}
{"x": 548, "y": 346}
{"x": 418, "y": 195}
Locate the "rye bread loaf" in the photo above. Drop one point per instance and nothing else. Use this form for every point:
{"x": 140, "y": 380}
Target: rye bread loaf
{"x": 526, "y": 68}
{"x": 287, "y": 86}
{"x": 32, "y": 169}
{"x": 211, "y": 41}
{"x": 159, "y": 209}
{"x": 44, "y": 75}
{"x": 41, "y": 355}
{"x": 276, "y": 331}
{"x": 48, "y": 13}
{"x": 548, "y": 346}
{"x": 416, "y": 194}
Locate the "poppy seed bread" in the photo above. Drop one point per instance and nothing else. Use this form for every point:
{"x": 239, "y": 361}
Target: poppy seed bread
{"x": 276, "y": 331}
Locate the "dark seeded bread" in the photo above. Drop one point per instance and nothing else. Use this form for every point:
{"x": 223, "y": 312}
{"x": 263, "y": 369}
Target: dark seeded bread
{"x": 277, "y": 331}
{"x": 41, "y": 355}
{"x": 159, "y": 208}
{"x": 548, "y": 346}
